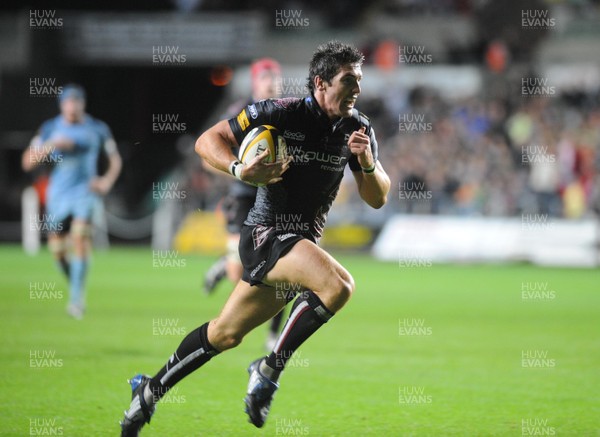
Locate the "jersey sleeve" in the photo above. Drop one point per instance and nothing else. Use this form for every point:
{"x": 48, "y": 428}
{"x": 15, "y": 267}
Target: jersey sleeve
{"x": 353, "y": 161}
{"x": 254, "y": 115}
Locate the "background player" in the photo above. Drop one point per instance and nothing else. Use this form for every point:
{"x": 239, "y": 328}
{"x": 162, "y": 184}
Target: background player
{"x": 74, "y": 140}
{"x": 341, "y": 135}
{"x": 266, "y": 79}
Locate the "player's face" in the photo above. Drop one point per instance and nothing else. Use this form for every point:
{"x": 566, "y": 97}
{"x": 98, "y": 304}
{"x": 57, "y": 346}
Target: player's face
{"x": 72, "y": 109}
{"x": 340, "y": 95}
{"x": 265, "y": 85}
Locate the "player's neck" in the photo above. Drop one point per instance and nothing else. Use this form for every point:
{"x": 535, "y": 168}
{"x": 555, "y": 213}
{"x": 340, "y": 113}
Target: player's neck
{"x": 76, "y": 120}
{"x": 319, "y": 99}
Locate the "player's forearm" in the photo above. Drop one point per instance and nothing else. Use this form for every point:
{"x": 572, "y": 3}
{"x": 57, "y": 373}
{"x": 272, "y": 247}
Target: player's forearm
{"x": 29, "y": 160}
{"x": 213, "y": 147}
{"x": 374, "y": 187}
{"x": 115, "y": 164}
{"x": 209, "y": 168}
{"x": 35, "y": 154}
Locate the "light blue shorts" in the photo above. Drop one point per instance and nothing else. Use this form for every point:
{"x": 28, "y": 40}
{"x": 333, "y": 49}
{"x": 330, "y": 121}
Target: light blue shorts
{"x": 63, "y": 208}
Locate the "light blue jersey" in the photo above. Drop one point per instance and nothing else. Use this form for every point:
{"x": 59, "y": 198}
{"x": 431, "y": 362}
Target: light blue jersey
{"x": 69, "y": 192}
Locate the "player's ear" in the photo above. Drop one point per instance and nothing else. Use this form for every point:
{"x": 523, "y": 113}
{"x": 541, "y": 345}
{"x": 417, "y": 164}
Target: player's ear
{"x": 319, "y": 83}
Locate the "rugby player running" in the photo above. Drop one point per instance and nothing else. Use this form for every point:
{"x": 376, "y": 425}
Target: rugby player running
{"x": 330, "y": 133}
{"x": 265, "y": 75}
{"x": 74, "y": 140}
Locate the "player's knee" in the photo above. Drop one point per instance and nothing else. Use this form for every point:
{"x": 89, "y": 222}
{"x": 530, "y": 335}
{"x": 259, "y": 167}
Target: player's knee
{"x": 348, "y": 287}
{"x": 58, "y": 248}
{"x": 81, "y": 230}
{"x": 223, "y": 339}
{"x": 345, "y": 287}
{"x": 229, "y": 342}
{"x": 232, "y": 339}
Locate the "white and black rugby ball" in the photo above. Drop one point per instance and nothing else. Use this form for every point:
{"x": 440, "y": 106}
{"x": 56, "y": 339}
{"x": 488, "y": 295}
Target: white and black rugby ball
{"x": 263, "y": 138}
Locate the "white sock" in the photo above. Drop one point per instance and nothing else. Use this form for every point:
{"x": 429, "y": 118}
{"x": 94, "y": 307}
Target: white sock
{"x": 148, "y": 395}
{"x": 269, "y": 372}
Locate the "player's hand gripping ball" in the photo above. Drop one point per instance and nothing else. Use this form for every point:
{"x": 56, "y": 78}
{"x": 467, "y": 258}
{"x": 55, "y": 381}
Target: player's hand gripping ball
{"x": 267, "y": 143}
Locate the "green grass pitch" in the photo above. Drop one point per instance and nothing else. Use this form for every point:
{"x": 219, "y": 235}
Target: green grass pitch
{"x": 423, "y": 351}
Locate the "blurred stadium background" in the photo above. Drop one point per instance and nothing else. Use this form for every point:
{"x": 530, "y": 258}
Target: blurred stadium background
{"x": 488, "y": 121}
{"x": 482, "y": 110}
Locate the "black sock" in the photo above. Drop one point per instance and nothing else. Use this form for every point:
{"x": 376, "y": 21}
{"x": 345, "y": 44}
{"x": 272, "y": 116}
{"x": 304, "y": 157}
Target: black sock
{"x": 219, "y": 269}
{"x": 278, "y": 318}
{"x": 307, "y": 315}
{"x": 64, "y": 266}
{"x": 193, "y": 352}
{"x": 276, "y": 322}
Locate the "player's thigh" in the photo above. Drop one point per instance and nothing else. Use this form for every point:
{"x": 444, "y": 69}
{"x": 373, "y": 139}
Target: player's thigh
{"x": 248, "y": 306}
{"x": 234, "y": 266}
{"x": 233, "y": 242}
{"x": 309, "y": 265}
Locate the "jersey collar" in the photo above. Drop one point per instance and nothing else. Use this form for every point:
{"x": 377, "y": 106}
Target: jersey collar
{"x": 64, "y": 121}
{"x": 318, "y": 113}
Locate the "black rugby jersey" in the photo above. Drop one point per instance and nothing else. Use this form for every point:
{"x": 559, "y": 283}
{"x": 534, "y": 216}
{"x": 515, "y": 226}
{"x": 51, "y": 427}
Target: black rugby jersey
{"x": 300, "y": 202}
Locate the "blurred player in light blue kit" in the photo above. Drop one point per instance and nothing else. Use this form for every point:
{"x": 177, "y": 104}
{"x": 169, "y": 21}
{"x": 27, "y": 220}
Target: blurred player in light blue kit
{"x": 73, "y": 141}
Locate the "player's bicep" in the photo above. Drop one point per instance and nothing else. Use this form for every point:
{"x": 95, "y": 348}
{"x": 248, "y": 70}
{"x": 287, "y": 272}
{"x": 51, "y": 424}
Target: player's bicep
{"x": 215, "y": 145}
{"x": 225, "y": 132}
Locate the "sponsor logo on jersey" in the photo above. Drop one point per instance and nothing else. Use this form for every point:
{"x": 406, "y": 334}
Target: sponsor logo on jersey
{"x": 253, "y": 112}
{"x": 259, "y": 235}
{"x": 258, "y": 267}
{"x": 243, "y": 121}
{"x": 310, "y": 155}
{"x": 298, "y": 136}
{"x": 285, "y": 102}
{"x": 284, "y": 237}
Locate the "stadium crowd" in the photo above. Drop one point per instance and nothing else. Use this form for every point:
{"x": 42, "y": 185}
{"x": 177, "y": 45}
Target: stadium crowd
{"x": 492, "y": 157}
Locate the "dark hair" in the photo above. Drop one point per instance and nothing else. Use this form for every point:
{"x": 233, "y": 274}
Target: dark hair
{"x": 328, "y": 59}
